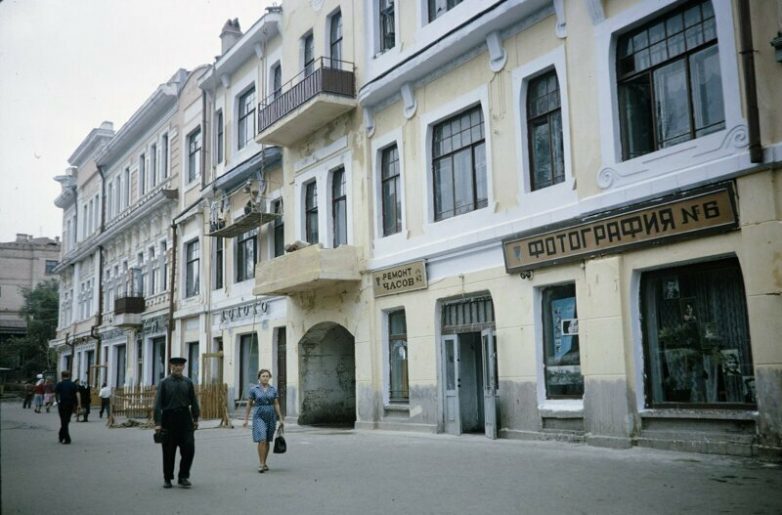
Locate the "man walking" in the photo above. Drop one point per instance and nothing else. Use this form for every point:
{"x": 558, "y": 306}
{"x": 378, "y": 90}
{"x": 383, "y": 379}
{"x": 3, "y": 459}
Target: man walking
{"x": 176, "y": 415}
{"x": 67, "y": 396}
{"x": 105, "y": 400}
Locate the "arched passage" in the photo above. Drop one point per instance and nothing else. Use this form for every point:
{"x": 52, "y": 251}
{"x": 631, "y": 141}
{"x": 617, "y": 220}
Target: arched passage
{"x": 327, "y": 367}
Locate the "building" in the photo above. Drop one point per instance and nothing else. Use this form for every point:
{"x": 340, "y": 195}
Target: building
{"x": 520, "y": 218}
{"x": 24, "y": 263}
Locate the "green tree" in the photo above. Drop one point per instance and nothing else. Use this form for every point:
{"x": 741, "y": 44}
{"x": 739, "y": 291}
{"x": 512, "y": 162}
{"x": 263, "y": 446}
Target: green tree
{"x": 30, "y": 354}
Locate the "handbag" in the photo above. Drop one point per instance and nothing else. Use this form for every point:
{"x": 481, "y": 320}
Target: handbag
{"x": 159, "y": 436}
{"x": 280, "y": 446}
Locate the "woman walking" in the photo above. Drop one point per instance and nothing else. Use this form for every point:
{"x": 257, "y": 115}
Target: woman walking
{"x": 267, "y": 411}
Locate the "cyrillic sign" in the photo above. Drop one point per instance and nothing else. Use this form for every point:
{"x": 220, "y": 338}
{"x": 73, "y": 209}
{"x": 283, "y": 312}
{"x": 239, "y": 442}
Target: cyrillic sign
{"x": 681, "y": 217}
{"x": 398, "y": 279}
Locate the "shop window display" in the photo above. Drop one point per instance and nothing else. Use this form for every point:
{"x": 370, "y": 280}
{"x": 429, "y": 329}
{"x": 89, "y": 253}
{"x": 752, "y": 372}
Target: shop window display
{"x": 562, "y": 356}
{"x": 696, "y": 339}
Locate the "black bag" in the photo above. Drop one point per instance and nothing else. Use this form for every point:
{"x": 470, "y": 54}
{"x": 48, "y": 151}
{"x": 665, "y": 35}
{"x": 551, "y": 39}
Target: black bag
{"x": 279, "y": 444}
{"x": 159, "y": 436}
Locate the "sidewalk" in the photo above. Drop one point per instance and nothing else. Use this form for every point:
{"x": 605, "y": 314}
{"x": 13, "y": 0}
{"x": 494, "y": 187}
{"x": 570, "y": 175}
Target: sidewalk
{"x": 348, "y": 472}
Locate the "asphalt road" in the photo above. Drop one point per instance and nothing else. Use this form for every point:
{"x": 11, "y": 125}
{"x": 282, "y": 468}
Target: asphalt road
{"x": 332, "y": 471}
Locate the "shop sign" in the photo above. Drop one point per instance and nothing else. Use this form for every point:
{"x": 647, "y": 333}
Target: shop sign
{"x": 399, "y": 279}
{"x": 666, "y": 219}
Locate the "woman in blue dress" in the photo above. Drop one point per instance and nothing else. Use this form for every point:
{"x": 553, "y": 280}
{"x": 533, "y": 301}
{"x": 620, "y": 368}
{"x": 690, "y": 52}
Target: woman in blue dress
{"x": 267, "y": 411}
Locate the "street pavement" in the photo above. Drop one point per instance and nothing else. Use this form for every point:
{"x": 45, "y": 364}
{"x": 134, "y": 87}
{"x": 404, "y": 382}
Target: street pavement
{"x": 337, "y": 471}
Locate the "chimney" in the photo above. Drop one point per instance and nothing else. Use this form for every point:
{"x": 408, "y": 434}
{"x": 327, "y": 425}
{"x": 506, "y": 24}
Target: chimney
{"x": 22, "y": 238}
{"x": 230, "y": 35}
{"x": 109, "y": 126}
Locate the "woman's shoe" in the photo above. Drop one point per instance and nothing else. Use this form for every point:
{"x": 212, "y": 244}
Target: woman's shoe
{"x": 265, "y": 468}
{"x": 261, "y": 469}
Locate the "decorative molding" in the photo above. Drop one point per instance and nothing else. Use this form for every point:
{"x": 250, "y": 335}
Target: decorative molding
{"x": 316, "y": 4}
{"x": 595, "y": 10}
{"x": 258, "y": 48}
{"x": 560, "y": 29}
{"x": 369, "y": 121}
{"x": 408, "y": 97}
{"x": 497, "y": 54}
{"x": 225, "y": 80}
{"x": 735, "y": 138}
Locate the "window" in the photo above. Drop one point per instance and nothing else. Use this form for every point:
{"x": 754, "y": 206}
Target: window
{"x": 279, "y": 229}
{"x": 669, "y": 80}
{"x": 339, "y": 208}
{"x": 246, "y": 118}
{"x": 192, "y": 264}
{"x": 193, "y": 358}
{"x": 248, "y": 359}
{"x": 119, "y": 371}
{"x": 561, "y": 355}
{"x": 459, "y": 165}
{"x": 140, "y": 277}
{"x": 246, "y": 255}
{"x": 158, "y": 359}
{"x": 164, "y": 157}
{"x": 126, "y": 190}
{"x": 142, "y": 174}
{"x": 391, "y": 197}
{"x": 139, "y": 360}
{"x": 218, "y": 264}
{"x": 164, "y": 258}
{"x": 50, "y": 265}
{"x": 153, "y": 164}
{"x": 309, "y": 54}
{"x": 311, "y": 212}
{"x": 398, "y": 388}
{"x": 696, "y": 336}
{"x": 154, "y": 271}
{"x": 544, "y": 129}
{"x": 219, "y": 132}
{"x": 439, "y": 7}
{"x": 387, "y": 28}
{"x": 194, "y": 155}
{"x": 335, "y": 39}
{"x": 277, "y": 80}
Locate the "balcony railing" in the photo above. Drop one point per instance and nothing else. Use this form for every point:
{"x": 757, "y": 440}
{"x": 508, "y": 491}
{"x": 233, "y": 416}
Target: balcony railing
{"x": 325, "y": 77}
{"x": 129, "y": 305}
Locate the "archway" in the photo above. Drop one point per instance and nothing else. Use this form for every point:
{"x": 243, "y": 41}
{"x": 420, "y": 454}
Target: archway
{"x": 327, "y": 376}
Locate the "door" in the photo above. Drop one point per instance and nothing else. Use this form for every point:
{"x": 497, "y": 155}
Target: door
{"x": 282, "y": 367}
{"x": 490, "y": 383}
{"x": 453, "y": 423}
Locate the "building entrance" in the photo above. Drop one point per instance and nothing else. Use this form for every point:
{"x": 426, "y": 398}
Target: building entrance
{"x": 327, "y": 376}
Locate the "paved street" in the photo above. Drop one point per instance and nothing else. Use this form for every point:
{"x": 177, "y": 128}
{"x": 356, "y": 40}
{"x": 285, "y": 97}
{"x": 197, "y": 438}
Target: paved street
{"x": 329, "y": 471}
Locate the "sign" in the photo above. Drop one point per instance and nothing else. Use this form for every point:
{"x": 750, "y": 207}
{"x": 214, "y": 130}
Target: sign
{"x": 399, "y": 279}
{"x": 705, "y": 211}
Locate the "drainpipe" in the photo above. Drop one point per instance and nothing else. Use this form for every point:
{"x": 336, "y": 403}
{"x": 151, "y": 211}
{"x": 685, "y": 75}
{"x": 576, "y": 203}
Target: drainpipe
{"x": 171, "y": 289}
{"x": 99, "y": 319}
{"x": 750, "y": 87}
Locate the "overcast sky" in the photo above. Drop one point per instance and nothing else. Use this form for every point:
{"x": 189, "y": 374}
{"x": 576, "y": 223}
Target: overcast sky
{"x": 68, "y": 65}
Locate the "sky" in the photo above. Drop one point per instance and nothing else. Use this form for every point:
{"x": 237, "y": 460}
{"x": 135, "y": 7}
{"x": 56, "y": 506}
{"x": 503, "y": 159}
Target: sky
{"x": 68, "y": 65}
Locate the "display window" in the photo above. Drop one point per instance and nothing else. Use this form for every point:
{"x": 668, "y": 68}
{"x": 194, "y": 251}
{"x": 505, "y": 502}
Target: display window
{"x": 561, "y": 352}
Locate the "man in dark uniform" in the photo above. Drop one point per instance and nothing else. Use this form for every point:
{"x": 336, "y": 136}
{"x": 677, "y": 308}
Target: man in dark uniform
{"x": 67, "y": 395}
{"x": 176, "y": 414}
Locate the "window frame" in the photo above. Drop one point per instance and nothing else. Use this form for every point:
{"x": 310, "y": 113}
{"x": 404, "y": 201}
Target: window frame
{"x": 243, "y": 241}
{"x": 310, "y": 204}
{"x": 308, "y": 53}
{"x": 396, "y": 179}
{"x": 386, "y": 16}
{"x": 336, "y": 39}
{"x": 431, "y": 8}
{"x": 194, "y": 155}
{"x": 243, "y": 113}
{"x": 219, "y": 137}
{"x": 553, "y": 138}
{"x": 278, "y": 228}
{"x": 339, "y": 207}
{"x": 391, "y": 339}
{"x": 218, "y": 263}
{"x": 544, "y": 322}
{"x": 192, "y": 268}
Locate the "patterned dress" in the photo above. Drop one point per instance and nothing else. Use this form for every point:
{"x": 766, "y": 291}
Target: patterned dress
{"x": 264, "y": 417}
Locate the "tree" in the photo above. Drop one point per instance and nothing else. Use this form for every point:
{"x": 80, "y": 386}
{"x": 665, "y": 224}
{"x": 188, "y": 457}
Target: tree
{"x": 30, "y": 354}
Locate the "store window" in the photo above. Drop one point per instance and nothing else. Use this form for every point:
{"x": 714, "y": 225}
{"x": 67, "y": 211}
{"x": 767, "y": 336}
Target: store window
{"x": 669, "y": 80}
{"x": 696, "y": 336}
{"x": 398, "y": 387}
{"x": 561, "y": 354}
{"x": 248, "y": 363}
{"x": 459, "y": 165}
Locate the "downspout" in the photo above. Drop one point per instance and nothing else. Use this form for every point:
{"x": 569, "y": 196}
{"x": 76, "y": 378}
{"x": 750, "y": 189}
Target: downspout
{"x": 171, "y": 290}
{"x": 747, "y": 52}
{"x": 99, "y": 319}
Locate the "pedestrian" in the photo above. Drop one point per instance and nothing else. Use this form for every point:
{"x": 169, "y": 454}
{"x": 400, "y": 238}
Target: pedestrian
{"x": 48, "y": 394}
{"x": 67, "y": 396}
{"x": 267, "y": 411}
{"x": 38, "y": 391}
{"x": 84, "y": 393}
{"x": 176, "y": 416}
{"x": 29, "y": 392}
{"x": 105, "y": 400}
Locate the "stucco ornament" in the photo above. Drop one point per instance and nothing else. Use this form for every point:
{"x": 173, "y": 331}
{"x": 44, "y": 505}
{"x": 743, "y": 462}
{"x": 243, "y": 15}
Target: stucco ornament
{"x": 316, "y": 4}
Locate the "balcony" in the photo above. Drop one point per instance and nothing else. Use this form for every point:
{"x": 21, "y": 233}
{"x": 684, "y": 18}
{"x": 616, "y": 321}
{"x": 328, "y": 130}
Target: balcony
{"x": 307, "y": 269}
{"x": 307, "y": 102}
{"x": 127, "y": 311}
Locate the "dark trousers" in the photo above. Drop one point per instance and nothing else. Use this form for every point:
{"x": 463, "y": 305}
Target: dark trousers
{"x": 66, "y": 411}
{"x": 105, "y": 404}
{"x": 186, "y": 442}
{"x": 28, "y": 401}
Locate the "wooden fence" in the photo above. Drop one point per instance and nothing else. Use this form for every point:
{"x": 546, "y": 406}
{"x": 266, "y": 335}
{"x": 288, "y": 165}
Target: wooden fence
{"x": 138, "y": 402}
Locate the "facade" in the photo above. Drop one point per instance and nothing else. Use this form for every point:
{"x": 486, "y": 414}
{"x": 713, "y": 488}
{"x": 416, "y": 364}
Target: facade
{"x": 24, "y": 263}
{"x": 520, "y": 218}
